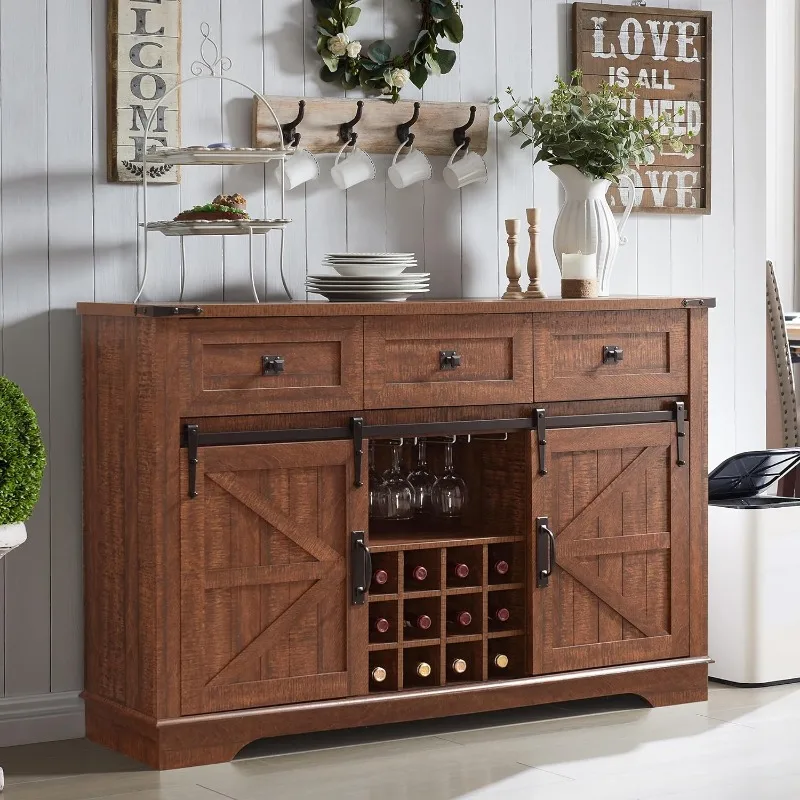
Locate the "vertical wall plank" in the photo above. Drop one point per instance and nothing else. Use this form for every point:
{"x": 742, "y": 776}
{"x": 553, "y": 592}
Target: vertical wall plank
{"x": 749, "y": 31}
{"x": 326, "y": 206}
{"x": 480, "y": 270}
{"x": 70, "y": 204}
{"x": 26, "y": 347}
{"x": 115, "y": 212}
{"x": 201, "y": 114}
{"x": 513, "y": 35}
{"x": 239, "y": 22}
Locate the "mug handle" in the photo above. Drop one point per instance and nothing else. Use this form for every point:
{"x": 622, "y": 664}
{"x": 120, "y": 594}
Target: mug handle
{"x": 400, "y": 150}
{"x": 453, "y": 157}
{"x": 341, "y": 153}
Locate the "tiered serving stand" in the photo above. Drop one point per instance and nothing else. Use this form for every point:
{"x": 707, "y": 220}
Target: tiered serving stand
{"x": 212, "y": 66}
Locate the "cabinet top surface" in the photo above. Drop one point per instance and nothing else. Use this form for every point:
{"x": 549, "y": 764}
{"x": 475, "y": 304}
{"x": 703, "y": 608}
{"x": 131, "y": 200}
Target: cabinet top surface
{"x": 326, "y": 309}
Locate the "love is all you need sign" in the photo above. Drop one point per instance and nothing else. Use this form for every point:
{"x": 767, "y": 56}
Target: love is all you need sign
{"x": 664, "y": 56}
{"x": 144, "y": 48}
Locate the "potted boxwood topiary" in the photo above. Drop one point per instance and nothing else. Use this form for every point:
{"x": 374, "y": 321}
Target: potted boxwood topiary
{"x": 22, "y": 463}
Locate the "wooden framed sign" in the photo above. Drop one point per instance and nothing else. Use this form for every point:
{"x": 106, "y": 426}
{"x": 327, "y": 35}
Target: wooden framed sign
{"x": 144, "y": 55}
{"x": 664, "y": 56}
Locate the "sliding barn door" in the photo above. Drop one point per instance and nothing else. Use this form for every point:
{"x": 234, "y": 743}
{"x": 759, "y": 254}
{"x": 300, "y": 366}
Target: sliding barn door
{"x": 618, "y": 505}
{"x": 266, "y": 617}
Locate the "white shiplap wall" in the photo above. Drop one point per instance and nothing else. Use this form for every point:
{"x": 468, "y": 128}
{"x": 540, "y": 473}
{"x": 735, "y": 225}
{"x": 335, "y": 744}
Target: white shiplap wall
{"x": 67, "y": 235}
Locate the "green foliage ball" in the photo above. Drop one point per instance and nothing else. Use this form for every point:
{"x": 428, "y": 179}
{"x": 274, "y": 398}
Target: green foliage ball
{"x": 22, "y": 455}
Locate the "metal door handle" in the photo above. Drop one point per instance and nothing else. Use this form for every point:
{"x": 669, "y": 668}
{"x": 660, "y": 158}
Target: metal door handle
{"x": 360, "y": 567}
{"x": 545, "y": 552}
{"x": 449, "y": 359}
{"x": 613, "y": 354}
{"x": 272, "y": 365}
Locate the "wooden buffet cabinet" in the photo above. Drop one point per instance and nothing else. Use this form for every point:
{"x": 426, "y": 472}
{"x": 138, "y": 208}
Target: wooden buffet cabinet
{"x": 228, "y": 546}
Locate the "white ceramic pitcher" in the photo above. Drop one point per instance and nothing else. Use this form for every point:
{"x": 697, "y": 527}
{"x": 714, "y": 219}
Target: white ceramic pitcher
{"x": 586, "y": 224}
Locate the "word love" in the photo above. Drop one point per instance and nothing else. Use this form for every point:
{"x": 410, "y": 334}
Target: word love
{"x": 631, "y": 39}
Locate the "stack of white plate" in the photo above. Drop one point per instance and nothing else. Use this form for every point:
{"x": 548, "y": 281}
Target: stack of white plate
{"x": 364, "y": 277}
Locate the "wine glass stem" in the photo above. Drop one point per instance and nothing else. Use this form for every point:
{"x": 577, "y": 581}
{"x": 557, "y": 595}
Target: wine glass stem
{"x": 448, "y": 457}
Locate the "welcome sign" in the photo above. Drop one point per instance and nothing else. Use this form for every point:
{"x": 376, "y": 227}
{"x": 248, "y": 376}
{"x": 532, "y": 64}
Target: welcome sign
{"x": 144, "y": 48}
{"x": 664, "y": 56}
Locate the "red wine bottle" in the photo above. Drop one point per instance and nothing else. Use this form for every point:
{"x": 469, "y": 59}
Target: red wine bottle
{"x": 423, "y": 669}
{"x": 458, "y": 570}
{"x": 501, "y": 568}
{"x": 381, "y": 625}
{"x": 500, "y": 614}
{"x": 417, "y": 574}
{"x": 458, "y": 666}
{"x": 461, "y": 618}
{"x": 378, "y": 674}
{"x": 380, "y": 577}
{"x": 420, "y": 622}
{"x": 500, "y": 661}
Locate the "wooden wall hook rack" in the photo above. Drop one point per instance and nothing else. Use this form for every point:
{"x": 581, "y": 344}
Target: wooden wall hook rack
{"x": 378, "y": 127}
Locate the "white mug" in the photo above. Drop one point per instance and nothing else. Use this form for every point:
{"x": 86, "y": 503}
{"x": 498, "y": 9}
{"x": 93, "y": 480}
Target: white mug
{"x": 471, "y": 168}
{"x": 300, "y": 168}
{"x": 356, "y": 168}
{"x": 414, "y": 168}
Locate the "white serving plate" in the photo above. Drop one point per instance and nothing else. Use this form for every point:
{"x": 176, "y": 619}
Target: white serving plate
{"x": 370, "y": 256}
{"x": 215, "y": 157}
{"x": 406, "y": 277}
{"x": 217, "y": 227}
{"x": 382, "y": 296}
{"x": 360, "y": 290}
{"x": 370, "y": 270}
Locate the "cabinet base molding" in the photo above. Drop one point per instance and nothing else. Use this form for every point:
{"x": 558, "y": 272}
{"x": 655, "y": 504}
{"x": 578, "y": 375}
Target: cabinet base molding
{"x": 217, "y": 738}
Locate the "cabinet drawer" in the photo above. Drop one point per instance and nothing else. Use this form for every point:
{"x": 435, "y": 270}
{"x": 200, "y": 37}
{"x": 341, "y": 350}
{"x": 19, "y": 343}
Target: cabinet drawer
{"x": 406, "y": 361}
{"x": 574, "y": 355}
{"x": 224, "y": 370}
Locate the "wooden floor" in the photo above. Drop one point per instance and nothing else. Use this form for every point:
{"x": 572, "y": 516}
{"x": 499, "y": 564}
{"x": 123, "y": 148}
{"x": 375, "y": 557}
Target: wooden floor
{"x": 742, "y": 743}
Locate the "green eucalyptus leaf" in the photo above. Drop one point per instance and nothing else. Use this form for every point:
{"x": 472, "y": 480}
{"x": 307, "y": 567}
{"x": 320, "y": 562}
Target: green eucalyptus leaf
{"x": 432, "y": 64}
{"x": 446, "y": 59}
{"x": 422, "y": 41}
{"x": 327, "y": 75}
{"x": 419, "y": 75}
{"x": 379, "y": 52}
{"x": 454, "y": 29}
{"x": 442, "y": 12}
{"x": 351, "y": 16}
{"x": 331, "y": 61}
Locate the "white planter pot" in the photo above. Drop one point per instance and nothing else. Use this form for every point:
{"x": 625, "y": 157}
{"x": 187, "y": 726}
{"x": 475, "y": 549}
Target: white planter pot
{"x": 12, "y": 536}
{"x": 586, "y": 224}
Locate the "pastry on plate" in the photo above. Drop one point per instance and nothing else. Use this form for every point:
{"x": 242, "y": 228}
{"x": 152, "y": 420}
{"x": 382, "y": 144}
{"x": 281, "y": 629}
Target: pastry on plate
{"x": 224, "y": 207}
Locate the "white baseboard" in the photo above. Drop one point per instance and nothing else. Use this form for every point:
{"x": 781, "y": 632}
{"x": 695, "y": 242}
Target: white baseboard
{"x": 41, "y": 718}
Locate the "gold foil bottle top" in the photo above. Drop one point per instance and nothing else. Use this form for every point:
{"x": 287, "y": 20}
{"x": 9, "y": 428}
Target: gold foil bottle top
{"x": 423, "y": 669}
{"x": 501, "y": 661}
{"x": 459, "y": 666}
{"x": 378, "y": 674}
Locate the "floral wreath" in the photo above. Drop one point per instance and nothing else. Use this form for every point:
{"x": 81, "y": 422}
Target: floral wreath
{"x": 348, "y": 64}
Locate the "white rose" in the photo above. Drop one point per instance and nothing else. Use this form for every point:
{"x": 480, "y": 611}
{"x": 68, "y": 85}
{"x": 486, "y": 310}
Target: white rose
{"x": 338, "y": 44}
{"x": 399, "y": 78}
{"x": 354, "y": 49}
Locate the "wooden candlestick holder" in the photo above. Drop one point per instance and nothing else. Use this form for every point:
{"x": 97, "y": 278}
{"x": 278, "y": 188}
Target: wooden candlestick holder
{"x": 513, "y": 266}
{"x": 535, "y": 291}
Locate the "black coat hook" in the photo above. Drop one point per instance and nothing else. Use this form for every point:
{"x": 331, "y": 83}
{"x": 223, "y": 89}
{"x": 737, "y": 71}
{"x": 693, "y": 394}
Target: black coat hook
{"x": 460, "y": 134}
{"x": 346, "y": 132}
{"x": 290, "y": 135}
{"x": 404, "y": 131}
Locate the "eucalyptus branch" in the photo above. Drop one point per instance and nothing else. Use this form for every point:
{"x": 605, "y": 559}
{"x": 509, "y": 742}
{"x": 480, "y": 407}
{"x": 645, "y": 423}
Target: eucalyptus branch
{"x": 590, "y": 130}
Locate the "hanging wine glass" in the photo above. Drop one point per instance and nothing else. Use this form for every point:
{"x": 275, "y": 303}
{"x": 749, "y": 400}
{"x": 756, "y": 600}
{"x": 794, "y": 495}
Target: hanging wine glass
{"x": 378, "y": 490}
{"x": 449, "y": 495}
{"x": 422, "y": 480}
{"x": 400, "y": 493}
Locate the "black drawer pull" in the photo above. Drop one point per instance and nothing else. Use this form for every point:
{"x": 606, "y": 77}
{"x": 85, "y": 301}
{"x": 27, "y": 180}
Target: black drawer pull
{"x": 272, "y": 365}
{"x": 449, "y": 359}
{"x": 545, "y": 552}
{"x": 612, "y": 354}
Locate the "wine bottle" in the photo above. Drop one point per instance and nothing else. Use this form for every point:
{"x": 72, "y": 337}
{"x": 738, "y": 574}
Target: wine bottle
{"x": 500, "y": 614}
{"x": 417, "y": 573}
{"x": 378, "y": 674}
{"x": 458, "y": 665}
{"x": 501, "y": 568}
{"x": 421, "y": 622}
{"x": 380, "y": 577}
{"x": 381, "y": 625}
{"x": 500, "y": 661}
{"x": 461, "y": 618}
{"x": 423, "y": 669}
{"x": 459, "y": 570}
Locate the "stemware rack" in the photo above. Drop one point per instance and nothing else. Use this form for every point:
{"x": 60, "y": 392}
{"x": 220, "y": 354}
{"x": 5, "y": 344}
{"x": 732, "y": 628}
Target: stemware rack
{"x": 211, "y": 66}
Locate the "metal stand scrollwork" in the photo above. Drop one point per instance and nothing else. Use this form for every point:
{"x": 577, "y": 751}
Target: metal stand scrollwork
{"x": 211, "y": 66}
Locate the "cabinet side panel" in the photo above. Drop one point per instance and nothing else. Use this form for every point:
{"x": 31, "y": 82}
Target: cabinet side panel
{"x": 698, "y": 464}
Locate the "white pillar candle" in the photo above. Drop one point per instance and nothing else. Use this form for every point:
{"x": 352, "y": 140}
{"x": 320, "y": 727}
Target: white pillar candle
{"x": 579, "y": 267}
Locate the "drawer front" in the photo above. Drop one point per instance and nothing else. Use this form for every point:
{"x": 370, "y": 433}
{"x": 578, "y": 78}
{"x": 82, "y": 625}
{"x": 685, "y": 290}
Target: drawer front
{"x": 406, "y": 361}
{"x": 271, "y": 366}
{"x": 577, "y": 356}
